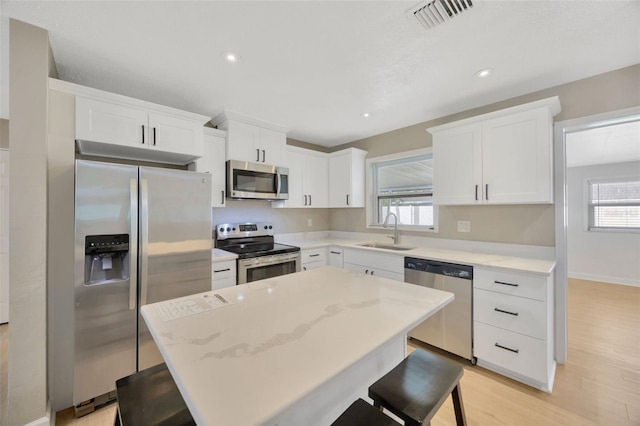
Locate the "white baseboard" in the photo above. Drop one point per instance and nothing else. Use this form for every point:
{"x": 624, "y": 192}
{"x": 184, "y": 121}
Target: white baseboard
{"x": 605, "y": 279}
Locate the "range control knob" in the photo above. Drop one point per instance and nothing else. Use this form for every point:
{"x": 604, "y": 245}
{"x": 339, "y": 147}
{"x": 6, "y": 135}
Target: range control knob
{"x": 265, "y": 227}
{"x": 228, "y": 229}
{"x": 234, "y": 229}
{"x": 221, "y": 229}
{"x": 270, "y": 226}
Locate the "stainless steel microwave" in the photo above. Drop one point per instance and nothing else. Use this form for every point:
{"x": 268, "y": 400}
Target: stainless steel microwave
{"x": 257, "y": 181}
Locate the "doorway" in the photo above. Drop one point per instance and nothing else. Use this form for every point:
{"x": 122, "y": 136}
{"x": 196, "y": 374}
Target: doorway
{"x": 564, "y": 131}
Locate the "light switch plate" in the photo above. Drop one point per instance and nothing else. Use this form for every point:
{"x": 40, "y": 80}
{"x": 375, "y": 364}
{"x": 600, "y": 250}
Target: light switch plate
{"x": 464, "y": 226}
{"x": 309, "y": 222}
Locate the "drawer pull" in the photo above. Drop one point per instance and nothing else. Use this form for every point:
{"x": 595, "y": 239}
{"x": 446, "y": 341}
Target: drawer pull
{"x": 314, "y": 255}
{"x": 221, "y": 270}
{"x": 515, "y": 314}
{"x": 509, "y": 284}
{"x": 335, "y": 252}
{"x": 507, "y": 349}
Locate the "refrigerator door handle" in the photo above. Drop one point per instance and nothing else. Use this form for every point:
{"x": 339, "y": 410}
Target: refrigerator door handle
{"x": 133, "y": 243}
{"x": 144, "y": 239}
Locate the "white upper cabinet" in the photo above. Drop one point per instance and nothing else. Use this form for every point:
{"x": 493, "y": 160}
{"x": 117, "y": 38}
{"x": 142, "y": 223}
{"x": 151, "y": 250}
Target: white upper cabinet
{"x": 504, "y": 157}
{"x": 308, "y": 179}
{"x": 253, "y": 140}
{"x": 213, "y": 161}
{"x": 121, "y": 127}
{"x": 346, "y": 178}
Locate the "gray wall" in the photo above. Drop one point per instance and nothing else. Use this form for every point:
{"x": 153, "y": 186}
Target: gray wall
{"x": 529, "y": 224}
{"x": 600, "y": 256}
{"x": 4, "y": 133}
{"x": 28, "y": 76}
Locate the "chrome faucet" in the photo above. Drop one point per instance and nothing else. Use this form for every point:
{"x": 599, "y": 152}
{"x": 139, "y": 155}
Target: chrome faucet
{"x": 395, "y": 231}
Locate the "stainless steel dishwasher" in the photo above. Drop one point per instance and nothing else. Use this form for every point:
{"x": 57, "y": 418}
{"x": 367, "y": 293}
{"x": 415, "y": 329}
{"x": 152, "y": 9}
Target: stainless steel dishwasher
{"x": 451, "y": 327}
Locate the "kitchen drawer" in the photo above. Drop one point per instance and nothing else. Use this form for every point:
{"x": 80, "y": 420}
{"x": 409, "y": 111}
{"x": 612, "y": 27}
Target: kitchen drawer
{"x": 374, "y": 271}
{"x": 223, "y": 274}
{"x": 524, "y": 316}
{"x": 530, "y": 286}
{"x": 313, "y": 255}
{"x": 313, "y": 265}
{"x": 388, "y": 262}
{"x": 530, "y": 360}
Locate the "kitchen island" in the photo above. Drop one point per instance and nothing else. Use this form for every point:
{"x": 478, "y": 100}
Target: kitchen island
{"x": 296, "y": 349}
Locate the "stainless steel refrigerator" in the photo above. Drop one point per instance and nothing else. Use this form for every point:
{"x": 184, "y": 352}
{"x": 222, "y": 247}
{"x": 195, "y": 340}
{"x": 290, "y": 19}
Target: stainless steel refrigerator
{"x": 142, "y": 235}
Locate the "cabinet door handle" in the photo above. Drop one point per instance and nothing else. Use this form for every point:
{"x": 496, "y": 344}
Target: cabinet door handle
{"x": 305, "y": 200}
{"x": 366, "y": 271}
{"x": 314, "y": 255}
{"x": 143, "y": 134}
{"x": 506, "y": 348}
{"x": 476, "y": 192}
{"x": 347, "y": 199}
{"x": 515, "y": 314}
{"x": 335, "y": 252}
{"x": 486, "y": 191}
{"x": 154, "y": 136}
{"x": 258, "y": 155}
{"x": 264, "y": 156}
{"x": 221, "y": 270}
{"x": 222, "y": 199}
{"x": 509, "y": 284}
{"x": 372, "y": 271}
{"x": 304, "y": 268}
{"x": 309, "y": 199}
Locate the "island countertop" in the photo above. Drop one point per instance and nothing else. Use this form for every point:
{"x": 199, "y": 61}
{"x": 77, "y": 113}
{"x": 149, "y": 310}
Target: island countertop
{"x": 278, "y": 340}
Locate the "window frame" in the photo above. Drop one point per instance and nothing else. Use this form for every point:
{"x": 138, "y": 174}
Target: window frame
{"x": 587, "y": 206}
{"x": 371, "y": 204}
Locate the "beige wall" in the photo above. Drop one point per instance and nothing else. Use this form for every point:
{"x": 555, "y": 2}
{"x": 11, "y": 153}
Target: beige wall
{"x": 60, "y": 274}
{"x": 28, "y": 76}
{"x": 4, "y": 133}
{"x": 530, "y": 224}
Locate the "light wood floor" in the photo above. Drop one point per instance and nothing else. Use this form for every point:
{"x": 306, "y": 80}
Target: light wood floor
{"x": 599, "y": 384}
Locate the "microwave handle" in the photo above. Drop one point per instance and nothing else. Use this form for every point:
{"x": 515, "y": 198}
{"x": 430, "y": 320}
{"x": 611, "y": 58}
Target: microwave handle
{"x": 278, "y": 182}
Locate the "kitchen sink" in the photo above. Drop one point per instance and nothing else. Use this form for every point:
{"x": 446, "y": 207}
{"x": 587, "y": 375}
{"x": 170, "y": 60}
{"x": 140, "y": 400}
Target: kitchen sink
{"x": 386, "y": 246}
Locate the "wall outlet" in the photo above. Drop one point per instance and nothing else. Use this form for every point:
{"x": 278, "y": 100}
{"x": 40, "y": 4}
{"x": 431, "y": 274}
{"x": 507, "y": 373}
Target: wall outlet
{"x": 309, "y": 222}
{"x": 464, "y": 226}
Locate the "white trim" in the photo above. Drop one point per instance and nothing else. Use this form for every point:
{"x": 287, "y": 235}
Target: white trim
{"x": 552, "y": 103}
{"x": 561, "y": 129}
{"x": 215, "y": 132}
{"x": 101, "y": 95}
{"x": 236, "y": 116}
{"x": 605, "y": 279}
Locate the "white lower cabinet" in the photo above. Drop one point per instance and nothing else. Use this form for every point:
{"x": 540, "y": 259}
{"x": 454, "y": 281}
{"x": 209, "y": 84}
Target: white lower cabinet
{"x": 513, "y": 325}
{"x": 377, "y": 264}
{"x": 335, "y": 256}
{"x": 223, "y": 274}
{"x": 313, "y": 258}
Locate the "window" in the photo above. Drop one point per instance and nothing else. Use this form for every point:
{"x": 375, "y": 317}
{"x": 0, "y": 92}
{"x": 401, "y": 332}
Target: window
{"x": 614, "y": 204}
{"x": 403, "y": 185}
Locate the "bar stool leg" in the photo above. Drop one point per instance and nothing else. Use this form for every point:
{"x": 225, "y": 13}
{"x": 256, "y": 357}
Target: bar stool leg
{"x": 458, "y": 407}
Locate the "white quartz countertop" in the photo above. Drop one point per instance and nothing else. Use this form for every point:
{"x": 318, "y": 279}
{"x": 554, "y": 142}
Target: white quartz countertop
{"x": 280, "y": 339}
{"x": 218, "y": 255}
{"x": 518, "y": 264}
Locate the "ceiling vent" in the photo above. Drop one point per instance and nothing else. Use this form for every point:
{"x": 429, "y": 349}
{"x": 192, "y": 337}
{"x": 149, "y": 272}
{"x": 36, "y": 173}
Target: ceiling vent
{"x": 432, "y": 13}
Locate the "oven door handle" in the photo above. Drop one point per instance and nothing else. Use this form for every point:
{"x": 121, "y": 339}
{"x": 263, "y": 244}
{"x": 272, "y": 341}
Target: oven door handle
{"x": 269, "y": 260}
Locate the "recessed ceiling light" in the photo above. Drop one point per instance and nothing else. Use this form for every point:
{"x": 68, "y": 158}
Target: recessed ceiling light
{"x": 231, "y": 57}
{"x": 484, "y": 73}
{"x": 366, "y": 115}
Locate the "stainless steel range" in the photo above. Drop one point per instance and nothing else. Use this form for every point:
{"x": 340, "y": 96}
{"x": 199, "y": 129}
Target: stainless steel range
{"x": 259, "y": 257}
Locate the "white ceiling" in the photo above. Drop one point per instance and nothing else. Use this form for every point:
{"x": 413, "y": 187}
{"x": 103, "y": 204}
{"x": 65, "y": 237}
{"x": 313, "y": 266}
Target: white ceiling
{"x": 316, "y": 66}
{"x": 604, "y": 145}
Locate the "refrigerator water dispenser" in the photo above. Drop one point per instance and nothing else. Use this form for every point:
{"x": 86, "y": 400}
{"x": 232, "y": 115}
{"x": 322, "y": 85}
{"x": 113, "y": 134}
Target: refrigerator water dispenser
{"x": 106, "y": 258}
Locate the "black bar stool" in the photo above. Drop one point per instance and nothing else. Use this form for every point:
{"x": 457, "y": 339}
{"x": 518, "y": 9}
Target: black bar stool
{"x": 418, "y": 386}
{"x": 362, "y": 414}
{"x": 151, "y": 397}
